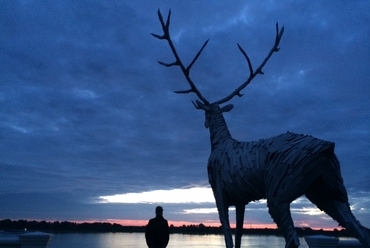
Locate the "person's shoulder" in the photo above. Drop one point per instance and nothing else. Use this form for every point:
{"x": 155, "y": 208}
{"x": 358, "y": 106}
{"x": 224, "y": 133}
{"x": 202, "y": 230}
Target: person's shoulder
{"x": 151, "y": 221}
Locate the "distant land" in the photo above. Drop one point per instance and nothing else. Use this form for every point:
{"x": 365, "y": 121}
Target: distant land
{"x": 8, "y": 225}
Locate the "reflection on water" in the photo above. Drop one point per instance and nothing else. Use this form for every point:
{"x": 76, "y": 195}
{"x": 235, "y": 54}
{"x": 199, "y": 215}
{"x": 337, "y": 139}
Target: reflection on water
{"x": 137, "y": 240}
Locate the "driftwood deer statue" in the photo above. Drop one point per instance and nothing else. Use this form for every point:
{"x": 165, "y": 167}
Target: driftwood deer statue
{"x": 279, "y": 169}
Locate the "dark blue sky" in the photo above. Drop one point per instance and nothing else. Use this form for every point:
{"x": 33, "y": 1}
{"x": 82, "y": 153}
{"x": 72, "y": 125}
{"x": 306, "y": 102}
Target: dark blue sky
{"x": 86, "y": 112}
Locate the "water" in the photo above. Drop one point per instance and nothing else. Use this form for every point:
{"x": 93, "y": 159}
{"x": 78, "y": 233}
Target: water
{"x": 137, "y": 240}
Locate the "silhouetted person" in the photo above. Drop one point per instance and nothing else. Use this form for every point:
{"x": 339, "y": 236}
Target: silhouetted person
{"x": 157, "y": 233}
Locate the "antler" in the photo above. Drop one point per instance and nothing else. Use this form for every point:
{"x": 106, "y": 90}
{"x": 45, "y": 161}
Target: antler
{"x": 186, "y": 70}
{"x": 252, "y": 73}
{"x": 178, "y": 62}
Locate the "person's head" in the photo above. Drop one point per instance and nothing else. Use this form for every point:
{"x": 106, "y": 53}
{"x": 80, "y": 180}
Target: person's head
{"x": 159, "y": 210}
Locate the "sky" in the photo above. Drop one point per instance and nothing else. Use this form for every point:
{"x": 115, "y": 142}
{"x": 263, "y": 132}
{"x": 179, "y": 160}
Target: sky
{"x": 91, "y": 129}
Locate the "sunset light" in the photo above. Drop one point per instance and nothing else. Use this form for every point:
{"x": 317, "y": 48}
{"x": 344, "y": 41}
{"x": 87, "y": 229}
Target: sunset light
{"x": 201, "y": 211}
{"x": 190, "y": 195}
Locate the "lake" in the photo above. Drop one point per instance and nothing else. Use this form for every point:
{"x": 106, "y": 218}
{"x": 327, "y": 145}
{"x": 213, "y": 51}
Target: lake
{"x": 137, "y": 240}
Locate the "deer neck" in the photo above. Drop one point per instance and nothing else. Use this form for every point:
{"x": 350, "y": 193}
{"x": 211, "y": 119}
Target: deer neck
{"x": 219, "y": 132}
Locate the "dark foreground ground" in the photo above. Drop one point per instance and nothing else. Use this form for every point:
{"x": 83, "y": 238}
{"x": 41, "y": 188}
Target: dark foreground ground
{"x": 98, "y": 227}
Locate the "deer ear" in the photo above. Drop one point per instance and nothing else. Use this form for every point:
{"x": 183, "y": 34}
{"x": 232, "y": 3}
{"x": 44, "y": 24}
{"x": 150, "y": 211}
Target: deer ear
{"x": 227, "y": 108}
{"x": 200, "y": 105}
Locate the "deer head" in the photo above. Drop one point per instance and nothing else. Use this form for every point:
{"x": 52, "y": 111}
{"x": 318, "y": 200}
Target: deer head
{"x": 202, "y": 102}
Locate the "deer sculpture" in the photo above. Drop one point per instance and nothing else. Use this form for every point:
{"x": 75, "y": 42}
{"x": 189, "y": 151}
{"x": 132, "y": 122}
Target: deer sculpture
{"x": 279, "y": 169}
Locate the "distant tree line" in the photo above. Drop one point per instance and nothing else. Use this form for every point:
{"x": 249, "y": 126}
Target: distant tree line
{"x": 8, "y": 225}
{"x": 65, "y": 226}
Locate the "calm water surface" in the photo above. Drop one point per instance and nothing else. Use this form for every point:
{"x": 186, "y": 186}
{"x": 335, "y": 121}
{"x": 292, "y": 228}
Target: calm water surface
{"x": 137, "y": 240}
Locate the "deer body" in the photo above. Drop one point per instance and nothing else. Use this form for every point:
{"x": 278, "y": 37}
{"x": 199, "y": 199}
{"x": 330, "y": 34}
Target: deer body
{"x": 279, "y": 169}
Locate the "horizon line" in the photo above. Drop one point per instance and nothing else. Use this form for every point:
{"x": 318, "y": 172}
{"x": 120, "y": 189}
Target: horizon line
{"x": 142, "y": 223}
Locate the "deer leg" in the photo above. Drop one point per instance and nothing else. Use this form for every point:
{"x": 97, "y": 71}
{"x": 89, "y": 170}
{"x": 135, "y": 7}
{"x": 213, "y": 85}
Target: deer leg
{"x": 280, "y": 212}
{"x": 329, "y": 194}
{"x": 240, "y": 209}
{"x": 223, "y": 213}
{"x": 340, "y": 212}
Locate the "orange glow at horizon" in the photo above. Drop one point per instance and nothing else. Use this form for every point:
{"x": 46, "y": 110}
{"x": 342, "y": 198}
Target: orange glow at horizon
{"x": 211, "y": 224}
{"x": 181, "y": 223}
